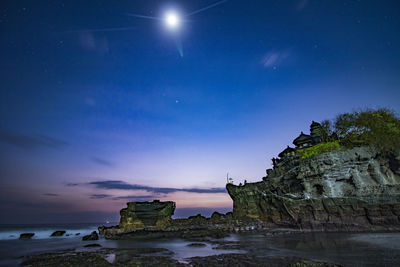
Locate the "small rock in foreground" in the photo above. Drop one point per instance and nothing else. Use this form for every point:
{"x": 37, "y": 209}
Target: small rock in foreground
{"x": 92, "y": 236}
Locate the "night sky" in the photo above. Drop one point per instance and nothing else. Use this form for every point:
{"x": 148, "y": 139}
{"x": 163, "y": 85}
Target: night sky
{"x": 98, "y": 108}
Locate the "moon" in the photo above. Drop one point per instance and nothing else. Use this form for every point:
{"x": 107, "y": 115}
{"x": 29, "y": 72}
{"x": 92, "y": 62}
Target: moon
{"x": 172, "y": 20}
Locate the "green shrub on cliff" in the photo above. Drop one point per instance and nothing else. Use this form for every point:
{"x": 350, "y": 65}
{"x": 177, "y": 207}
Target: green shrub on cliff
{"x": 319, "y": 149}
{"x": 379, "y": 128}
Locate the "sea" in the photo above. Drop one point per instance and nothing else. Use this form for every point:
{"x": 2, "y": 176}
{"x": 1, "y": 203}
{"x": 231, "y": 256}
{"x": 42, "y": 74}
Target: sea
{"x": 348, "y": 249}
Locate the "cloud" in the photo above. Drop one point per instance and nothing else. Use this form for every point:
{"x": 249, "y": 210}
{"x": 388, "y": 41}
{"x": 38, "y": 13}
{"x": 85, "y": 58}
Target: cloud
{"x": 301, "y": 4}
{"x": 136, "y": 198}
{"x": 31, "y": 142}
{"x": 121, "y": 185}
{"x": 72, "y": 184}
{"x": 131, "y": 197}
{"x": 50, "y": 194}
{"x": 90, "y": 101}
{"x": 103, "y": 162}
{"x": 100, "y": 196}
{"x": 88, "y": 41}
{"x": 273, "y": 59}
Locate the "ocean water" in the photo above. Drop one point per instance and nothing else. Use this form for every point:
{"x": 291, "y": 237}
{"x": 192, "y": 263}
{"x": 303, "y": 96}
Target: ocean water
{"x": 12, "y": 249}
{"x": 349, "y": 249}
{"x": 43, "y": 231}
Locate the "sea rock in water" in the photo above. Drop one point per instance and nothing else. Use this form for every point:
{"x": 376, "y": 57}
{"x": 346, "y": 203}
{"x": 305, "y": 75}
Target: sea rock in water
{"x": 139, "y": 215}
{"x": 26, "y": 235}
{"x": 351, "y": 190}
{"x": 92, "y": 236}
{"x": 58, "y": 233}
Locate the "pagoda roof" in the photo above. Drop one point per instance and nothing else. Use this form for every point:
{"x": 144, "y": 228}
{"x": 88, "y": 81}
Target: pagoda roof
{"x": 302, "y": 138}
{"x": 315, "y": 124}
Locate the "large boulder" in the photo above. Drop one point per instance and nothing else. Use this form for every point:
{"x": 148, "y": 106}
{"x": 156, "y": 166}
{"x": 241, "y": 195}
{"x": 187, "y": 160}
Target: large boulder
{"x": 139, "y": 215}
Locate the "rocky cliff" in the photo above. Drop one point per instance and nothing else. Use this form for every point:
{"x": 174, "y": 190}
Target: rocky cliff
{"x": 350, "y": 190}
{"x": 356, "y": 189}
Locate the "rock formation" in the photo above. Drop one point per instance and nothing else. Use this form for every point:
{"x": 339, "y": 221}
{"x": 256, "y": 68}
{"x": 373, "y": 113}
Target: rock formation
{"x": 350, "y": 190}
{"x": 218, "y": 225}
{"x": 92, "y": 236}
{"x": 58, "y": 233}
{"x": 139, "y": 215}
{"x": 332, "y": 188}
{"x": 26, "y": 235}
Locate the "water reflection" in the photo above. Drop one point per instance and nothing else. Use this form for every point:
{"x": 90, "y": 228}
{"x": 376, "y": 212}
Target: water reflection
{"x": 349, "y": 249}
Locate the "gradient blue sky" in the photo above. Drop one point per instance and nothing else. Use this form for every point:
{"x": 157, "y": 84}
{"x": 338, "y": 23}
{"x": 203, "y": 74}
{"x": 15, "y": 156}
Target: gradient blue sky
{"x": 90, "y": 119}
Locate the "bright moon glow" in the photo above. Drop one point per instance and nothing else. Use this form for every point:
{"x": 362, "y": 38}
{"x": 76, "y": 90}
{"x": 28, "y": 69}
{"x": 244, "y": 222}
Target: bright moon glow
{"x": 172, "y": 20}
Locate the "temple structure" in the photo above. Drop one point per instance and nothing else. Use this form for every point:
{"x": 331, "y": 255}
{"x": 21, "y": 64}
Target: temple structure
{"x": 289, "y": 151}
{"x": 302, "y": 141}
{"x": 315, "y": 132}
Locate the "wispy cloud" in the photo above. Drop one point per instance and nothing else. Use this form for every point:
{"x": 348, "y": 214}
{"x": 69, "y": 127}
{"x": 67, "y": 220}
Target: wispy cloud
{"x": 31, "y": 142}
{"x": 301, "y": 4}
{"x": 103, "y": 162}
{"x": 72, "y": 184}
{"x": 121, "y": 185}
{"x": 274, "y": 59}
{"x": 146, "y": 197}
{"x": 131, "y": 197}
{"x": 50, "y": 195}
{"x": 88, "y": 41}
{"x": 100, "y": 196}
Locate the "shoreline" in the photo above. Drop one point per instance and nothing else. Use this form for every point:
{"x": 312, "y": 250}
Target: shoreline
{"x": 281, "y": 248}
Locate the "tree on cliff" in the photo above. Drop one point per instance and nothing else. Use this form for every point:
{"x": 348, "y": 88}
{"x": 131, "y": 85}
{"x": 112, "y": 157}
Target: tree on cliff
{"x": 326, "y": 131}
{"x": 380, "y": 128}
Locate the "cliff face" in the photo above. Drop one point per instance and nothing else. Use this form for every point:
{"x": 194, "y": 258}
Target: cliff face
{"x": 357, "y": 189}
{"x": 351, "y": 190}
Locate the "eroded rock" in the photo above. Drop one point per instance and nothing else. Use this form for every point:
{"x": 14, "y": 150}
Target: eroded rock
{"x": 58, "y": 233}
{"x": 26, "y": 235}
{"x": 139, "y": 215}
{"x": 92, "y": 236}
{"x": 351, "y": 190}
